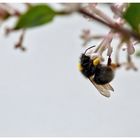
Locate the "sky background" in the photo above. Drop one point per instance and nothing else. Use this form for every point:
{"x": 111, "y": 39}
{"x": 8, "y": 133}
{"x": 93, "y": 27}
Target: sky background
{"x": 42, "y": 93}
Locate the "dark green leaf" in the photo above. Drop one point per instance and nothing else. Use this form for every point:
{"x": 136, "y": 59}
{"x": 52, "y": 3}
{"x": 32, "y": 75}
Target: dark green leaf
{"x": 132, "y": 16}
{"x": 35, "y": 16}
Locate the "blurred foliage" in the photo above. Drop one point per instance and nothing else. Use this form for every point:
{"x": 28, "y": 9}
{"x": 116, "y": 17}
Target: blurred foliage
{"x": 132, "y": 16}
{"x": 137, "y": 54}
{"x": 35, "y": 16}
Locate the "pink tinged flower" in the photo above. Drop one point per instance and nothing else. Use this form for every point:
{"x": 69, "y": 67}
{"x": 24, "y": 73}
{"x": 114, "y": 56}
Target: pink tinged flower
{"x": 120, "y": 21}
{"x": 118, "y": 9}
{"x": 90, "y": 9}
{"x": 94, "y": 55}
{"x": 106, "y": 43}
{"x": 92, "y": 5}
{"x": 109, "y": 51}
{"x": 114, "y": 8}
{"x": 85, "y": 34}
{"x": 130, "y": 64}
{"x": 72, "y": 7}
{"x": 130, "y": 48}
{"x": 3, "y": 13}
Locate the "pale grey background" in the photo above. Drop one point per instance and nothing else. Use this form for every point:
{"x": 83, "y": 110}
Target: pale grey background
{"x": 43, "y": 94}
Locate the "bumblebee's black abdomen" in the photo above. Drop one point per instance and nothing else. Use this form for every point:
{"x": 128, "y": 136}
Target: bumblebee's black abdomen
{"x": 87, "y": 67}
{"x": 103, "y": 75}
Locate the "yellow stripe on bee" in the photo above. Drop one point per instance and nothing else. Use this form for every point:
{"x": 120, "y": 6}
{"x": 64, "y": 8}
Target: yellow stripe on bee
{"x": 80, "y": 67}
{"x": 96, "y": 61}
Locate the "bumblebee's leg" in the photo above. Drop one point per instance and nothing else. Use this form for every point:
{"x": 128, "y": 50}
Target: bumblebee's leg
{"x": 109, "y": 61}
{"x": 114, "y": 66}
{"x": 96, "y": 61}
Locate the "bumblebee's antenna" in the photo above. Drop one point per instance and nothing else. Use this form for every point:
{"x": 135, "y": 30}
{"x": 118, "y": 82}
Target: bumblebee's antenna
{"x": 88, "y": 49}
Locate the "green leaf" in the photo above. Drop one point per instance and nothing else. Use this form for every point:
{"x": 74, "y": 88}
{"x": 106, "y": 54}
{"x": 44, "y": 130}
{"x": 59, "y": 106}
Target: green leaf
{"x": 35, "y": 16}
{"x": 132, "y": 16}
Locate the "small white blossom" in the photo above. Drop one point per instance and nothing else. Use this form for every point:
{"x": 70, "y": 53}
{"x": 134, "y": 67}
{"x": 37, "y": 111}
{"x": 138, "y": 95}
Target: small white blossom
{"x": 85, "y": 34}
{"x": 109, "y": 51}
{"x": 3, "y": 13}
{"x": 130, "y": 48}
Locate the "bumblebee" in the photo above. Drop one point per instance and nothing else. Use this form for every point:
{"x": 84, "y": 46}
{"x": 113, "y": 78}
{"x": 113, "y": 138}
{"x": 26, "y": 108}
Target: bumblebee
{"x": 99, "y": 74}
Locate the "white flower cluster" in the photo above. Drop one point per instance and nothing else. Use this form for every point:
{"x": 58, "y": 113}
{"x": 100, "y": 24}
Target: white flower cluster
{"x": 118, "y": 21}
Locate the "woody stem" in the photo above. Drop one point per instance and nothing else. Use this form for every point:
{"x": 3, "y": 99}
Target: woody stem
{"x": 127, "y": 33}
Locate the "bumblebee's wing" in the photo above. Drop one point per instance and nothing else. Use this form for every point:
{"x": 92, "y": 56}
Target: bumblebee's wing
{"x": 103, "y": 89}
{"x": 108, "y": 87}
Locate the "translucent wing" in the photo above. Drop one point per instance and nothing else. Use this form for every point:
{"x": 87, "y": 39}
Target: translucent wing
{"x": 108, "y": 87}
{"x": 103, "y": 89}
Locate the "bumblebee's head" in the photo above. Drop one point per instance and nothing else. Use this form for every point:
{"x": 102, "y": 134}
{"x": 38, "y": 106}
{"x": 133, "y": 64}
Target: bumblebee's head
{"x": 84, "y": 60}
{"x": 86, "y": 66}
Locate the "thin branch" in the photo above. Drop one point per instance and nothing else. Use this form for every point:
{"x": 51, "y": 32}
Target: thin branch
{"x": 19, "y": 44}
{"x": 115, "y": 27}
